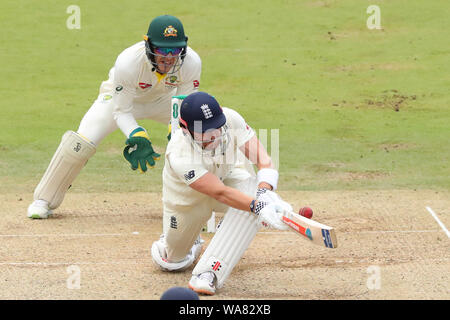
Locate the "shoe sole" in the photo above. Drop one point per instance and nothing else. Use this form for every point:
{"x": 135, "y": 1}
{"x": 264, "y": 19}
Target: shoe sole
{"x": 202, "y": 291}
{"x": 36, "y": 216}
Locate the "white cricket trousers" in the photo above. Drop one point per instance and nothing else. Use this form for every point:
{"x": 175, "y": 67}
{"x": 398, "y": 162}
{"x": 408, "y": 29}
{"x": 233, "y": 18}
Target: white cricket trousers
{"x": 183, "y": 224}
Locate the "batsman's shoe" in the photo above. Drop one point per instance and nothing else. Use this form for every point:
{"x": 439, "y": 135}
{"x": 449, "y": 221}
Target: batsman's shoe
{"x": 39, "y": 210}
{"x": 204, "y": 283}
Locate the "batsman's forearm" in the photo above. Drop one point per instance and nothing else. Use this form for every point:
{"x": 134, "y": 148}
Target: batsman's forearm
{"x": 256, "y": 153}
{"x": 234, "y": 198}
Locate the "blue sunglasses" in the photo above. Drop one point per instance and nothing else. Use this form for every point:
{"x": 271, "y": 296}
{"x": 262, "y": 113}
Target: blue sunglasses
{"x": 166, "y": 51}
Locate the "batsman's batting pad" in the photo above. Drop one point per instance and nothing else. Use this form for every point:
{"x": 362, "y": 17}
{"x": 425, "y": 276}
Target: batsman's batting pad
{"x": 226, "y": 248}
{"x": 67, "y": 162}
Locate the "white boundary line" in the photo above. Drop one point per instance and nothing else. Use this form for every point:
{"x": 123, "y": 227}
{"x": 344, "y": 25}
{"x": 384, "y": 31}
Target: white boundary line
{"x": 438, "y": 221}
{"x": 63, "y": 235}
{"x": 75, "y": 263}
{"x": 148, "y": 262}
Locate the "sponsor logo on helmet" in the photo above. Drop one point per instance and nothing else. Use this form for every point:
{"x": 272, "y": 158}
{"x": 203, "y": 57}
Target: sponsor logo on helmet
{"x": 170, "y": 31}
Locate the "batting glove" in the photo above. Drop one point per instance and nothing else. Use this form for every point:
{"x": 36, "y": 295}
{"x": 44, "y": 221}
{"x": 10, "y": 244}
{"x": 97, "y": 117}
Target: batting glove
{"x": 270, "y": 196}
{"x": 139, "y": 151}
{"x": 270, "y": 215}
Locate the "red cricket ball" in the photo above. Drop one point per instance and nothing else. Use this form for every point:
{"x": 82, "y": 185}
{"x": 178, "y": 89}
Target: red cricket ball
{"x": 306, "y": 212}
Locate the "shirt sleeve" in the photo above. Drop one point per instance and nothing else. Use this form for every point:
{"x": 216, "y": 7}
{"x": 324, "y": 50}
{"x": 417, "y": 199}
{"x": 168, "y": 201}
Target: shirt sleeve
{"x": 185, "y": 170}
{"x": 241, "y": 131}
{"x": 190, "y": 73}
{"x": 124, "y": 93}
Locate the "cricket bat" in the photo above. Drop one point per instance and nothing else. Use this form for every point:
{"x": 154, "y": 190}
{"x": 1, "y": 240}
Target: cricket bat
{"x": 314, "y": 231}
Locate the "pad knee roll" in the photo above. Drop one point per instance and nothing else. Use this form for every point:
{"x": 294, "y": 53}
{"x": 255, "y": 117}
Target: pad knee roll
{"x": 70, "y": 157}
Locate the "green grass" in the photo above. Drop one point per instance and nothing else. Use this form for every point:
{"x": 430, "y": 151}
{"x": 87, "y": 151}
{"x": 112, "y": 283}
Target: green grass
{"x": 311, "y": 69}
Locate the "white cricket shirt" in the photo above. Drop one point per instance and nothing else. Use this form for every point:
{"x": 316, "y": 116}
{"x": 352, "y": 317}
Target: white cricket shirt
{"x": 132, "y": 81}
{"x": 184, "y": 164}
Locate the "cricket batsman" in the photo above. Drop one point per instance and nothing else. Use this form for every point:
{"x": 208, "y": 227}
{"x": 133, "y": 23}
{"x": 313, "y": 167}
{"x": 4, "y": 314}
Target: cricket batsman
{"x": 140, "y": 85}
{"x": 201, "y": 174}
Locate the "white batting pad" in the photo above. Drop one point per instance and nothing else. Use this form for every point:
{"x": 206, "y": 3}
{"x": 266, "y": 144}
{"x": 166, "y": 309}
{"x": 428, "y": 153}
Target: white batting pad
{"x": 226, "y": 248}
{"x": 67, "y": 162}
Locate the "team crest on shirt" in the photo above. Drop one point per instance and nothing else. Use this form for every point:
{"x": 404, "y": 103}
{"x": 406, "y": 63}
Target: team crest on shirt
{"x": 170, "y": 31}
{"x": 171, "y": 82}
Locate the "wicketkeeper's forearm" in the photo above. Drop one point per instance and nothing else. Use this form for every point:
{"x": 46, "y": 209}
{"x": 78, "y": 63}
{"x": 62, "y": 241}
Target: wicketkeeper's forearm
{"x": 126, "y": 123}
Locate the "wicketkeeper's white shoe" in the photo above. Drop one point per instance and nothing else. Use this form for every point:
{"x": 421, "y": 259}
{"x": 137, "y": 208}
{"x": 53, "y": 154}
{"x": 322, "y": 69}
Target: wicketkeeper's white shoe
{"x": 204, "y": 283}
{"x": 39, "y": 210}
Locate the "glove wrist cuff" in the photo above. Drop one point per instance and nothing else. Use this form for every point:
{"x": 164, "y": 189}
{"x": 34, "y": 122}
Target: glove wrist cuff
{"x": 138, "y": 129}
{"x": 256, "y": 206}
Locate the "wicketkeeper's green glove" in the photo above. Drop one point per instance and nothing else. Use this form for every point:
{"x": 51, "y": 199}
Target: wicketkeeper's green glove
{"x": 141, "y": 150}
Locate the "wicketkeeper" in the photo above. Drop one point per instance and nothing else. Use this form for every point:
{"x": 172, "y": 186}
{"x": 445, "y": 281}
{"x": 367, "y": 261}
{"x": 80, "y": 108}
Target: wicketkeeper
{"x": 140, "y": 85}
{"x": 202, "y": 173}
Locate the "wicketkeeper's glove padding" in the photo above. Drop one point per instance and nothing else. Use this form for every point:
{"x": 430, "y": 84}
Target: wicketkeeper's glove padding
{"x": 142, "y": 151}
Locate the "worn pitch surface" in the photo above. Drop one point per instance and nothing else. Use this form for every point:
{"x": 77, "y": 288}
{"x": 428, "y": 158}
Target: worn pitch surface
{"x": 390, "y": 247}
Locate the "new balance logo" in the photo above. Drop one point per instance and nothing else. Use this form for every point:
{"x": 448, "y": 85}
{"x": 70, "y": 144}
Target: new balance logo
{"x": 188, "y": 176}
{"x": 206, "y": 111}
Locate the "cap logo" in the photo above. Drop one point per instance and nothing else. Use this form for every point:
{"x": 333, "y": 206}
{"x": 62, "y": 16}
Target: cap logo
{"x": 206, "y": 111}
{"x": 170, "y": 31}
